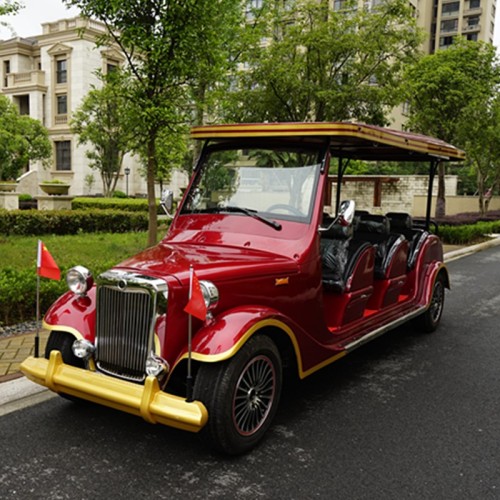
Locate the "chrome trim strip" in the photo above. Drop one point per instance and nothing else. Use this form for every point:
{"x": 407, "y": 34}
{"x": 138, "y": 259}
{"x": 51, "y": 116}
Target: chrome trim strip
{"x": 384, "y": 329}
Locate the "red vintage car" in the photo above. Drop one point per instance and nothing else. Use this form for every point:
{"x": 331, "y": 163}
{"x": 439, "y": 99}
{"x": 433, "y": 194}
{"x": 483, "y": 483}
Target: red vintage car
{"x": 286, "y": 288}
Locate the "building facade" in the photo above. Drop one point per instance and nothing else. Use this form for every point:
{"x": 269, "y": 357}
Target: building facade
{"x": 47, "y": 76}
{"x": 446, "y": 19}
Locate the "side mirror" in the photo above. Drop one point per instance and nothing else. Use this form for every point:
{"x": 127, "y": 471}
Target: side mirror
{"x": 346, "y": 212}
{"x": 167, "y": 201}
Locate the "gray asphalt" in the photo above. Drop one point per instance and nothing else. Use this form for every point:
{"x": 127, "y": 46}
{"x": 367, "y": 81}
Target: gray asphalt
{"x": 409, "y": 416}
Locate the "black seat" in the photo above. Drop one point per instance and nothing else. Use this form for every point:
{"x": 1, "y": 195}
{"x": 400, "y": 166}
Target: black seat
{"x": 376, "y": 230}
{"x": 401, "y": 222}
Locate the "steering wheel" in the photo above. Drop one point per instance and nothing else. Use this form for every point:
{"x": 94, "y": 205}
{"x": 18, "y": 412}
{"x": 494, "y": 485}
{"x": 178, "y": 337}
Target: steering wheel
{"x": 288, "y": 208}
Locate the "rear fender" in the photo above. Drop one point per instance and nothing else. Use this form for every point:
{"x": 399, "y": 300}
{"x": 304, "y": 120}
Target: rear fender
{"x": 223, "y": 337}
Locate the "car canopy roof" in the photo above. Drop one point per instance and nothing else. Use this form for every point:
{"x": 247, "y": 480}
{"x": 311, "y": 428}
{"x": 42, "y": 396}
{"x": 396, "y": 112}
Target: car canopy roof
{"x": 347, "y": 140}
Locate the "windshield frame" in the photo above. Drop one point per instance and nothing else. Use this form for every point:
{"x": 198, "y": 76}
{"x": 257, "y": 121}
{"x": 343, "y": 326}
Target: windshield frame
{"x": 317, "y": 147}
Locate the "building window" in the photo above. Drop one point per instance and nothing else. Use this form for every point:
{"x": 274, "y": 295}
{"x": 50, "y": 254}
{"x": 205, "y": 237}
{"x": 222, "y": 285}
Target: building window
{"x": 474, "y": 4}
{"x": 473, "y": 21}
{"x": 63, "y": 155}
{"x": 6, "y": 71}
{"x": 472, "y": 37}
{"x": 62, "y": 104}
{"x": 450, "y": 8}
{"x": 61, "y": 71}
{"x": 445, "y": 41}
{"x": 449, "y": 25}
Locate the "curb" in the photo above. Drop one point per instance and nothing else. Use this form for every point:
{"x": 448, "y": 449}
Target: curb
{"x": 20, "y": 392}
{"x": 462, "y": 252}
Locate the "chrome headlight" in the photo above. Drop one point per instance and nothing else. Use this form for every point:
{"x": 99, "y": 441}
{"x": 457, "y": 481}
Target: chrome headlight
{"x": 210, "y": 294}
{"x": 156, "y": 366}
{"x": 83, "y": 349}
{"x": 79, "y": 280}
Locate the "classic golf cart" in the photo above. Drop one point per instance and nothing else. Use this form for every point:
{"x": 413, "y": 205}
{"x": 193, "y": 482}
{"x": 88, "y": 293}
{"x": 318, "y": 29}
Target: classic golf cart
{"x": 284, "y": 284}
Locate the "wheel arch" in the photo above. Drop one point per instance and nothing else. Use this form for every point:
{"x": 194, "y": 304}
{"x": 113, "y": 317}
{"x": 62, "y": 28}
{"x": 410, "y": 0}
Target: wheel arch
{"x": 205, "y": 343}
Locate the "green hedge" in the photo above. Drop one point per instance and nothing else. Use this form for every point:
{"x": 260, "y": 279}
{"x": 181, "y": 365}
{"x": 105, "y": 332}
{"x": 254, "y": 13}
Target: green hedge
{"x": 18, "y": 292}
{"x": 460, "y": 235}
{"x": 128, "y": 204}
{"x": 38, "y": 222}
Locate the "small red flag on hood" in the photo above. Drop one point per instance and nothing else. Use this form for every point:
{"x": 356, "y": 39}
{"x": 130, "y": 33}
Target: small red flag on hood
{"x": 196, "y": 304}
{"x": 45, "y": 264}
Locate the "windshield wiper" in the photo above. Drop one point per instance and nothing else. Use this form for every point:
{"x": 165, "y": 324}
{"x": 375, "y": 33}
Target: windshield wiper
{"x": 249, "y": 212}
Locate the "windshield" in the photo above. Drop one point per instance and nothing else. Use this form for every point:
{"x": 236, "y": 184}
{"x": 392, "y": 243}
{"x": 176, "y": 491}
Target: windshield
{"x": 273, "y": 183}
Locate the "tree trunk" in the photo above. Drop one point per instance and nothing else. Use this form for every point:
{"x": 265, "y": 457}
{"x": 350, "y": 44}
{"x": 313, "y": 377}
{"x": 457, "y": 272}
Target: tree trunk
{"x": 480, "y": 191}
{"x": 151, "y": 173}
{"x": 441, "y": 200}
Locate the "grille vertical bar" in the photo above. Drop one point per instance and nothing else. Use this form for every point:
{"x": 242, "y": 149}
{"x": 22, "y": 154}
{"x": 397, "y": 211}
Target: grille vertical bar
{"x": 123, "y": 331}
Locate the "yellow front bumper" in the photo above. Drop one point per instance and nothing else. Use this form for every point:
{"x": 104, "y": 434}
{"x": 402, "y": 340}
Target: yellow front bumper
{"x": 147, "y": 400}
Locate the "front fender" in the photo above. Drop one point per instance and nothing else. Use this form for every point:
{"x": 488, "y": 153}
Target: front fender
{"x": 73, "y": 314}
{"x": 225, "y": 335}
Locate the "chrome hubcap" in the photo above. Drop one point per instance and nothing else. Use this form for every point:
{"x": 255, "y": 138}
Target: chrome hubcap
{"x": 437, "y": 301}
{"x": 254, "y": 395}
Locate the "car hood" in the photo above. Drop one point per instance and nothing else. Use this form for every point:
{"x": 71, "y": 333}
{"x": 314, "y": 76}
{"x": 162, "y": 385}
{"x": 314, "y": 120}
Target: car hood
{"x": 208, "y": 261}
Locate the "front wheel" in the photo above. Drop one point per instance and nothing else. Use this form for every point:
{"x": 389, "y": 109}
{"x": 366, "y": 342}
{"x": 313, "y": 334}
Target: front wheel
{"x": 63, "y": 341}
{"x": 430, "y": 320}
{"x": 241, "y": 396}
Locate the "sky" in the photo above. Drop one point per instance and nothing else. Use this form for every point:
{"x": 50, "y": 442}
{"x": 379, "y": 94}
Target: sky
{"x": 28, "y": 21}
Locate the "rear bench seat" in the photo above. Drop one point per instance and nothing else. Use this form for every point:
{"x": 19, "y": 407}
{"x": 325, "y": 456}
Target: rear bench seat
{"x": 391, "y": 255}
{"x": 402, "y": 223}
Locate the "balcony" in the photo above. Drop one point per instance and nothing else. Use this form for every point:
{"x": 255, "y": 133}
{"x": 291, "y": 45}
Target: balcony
{"x": 35, "y": 78}
{"x": 471, "y": 27}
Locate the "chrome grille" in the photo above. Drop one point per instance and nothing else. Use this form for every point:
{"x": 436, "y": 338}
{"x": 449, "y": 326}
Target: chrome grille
{"x": 125, "y": 315}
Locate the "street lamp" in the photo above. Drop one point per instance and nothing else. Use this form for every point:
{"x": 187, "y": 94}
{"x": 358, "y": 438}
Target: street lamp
{"x": 127, "y": 172}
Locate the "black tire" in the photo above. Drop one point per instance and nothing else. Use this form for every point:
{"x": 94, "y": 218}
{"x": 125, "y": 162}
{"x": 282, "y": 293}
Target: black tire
{"x": 241, "y": 396}
{"x": 62, "y": 341}
{"x": 429, "y": 321}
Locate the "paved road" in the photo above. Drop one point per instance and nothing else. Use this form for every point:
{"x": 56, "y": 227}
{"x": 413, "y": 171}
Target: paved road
{"x": 409, "y": 416}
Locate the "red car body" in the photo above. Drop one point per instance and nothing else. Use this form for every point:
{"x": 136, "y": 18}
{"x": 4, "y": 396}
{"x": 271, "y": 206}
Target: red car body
{"x": 271, "y": 276}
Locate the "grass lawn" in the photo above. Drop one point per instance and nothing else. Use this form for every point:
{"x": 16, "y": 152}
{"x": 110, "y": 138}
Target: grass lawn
{"x": 19, "y": 252}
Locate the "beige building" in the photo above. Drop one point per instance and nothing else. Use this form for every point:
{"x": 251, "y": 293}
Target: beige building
{"x": 47, "y": 76}
{"x": 447, "y": 19}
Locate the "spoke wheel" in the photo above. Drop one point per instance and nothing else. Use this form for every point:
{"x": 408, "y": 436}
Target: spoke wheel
{"x": 254, "y": 395}
{"x": 430, "y": 320}
{"x": 241, "y": 396}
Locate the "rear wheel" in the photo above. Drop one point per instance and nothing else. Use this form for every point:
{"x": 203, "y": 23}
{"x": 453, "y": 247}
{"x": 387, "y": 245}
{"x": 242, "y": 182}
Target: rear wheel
{"x": 430, "y": 320}
{"x": 241, "y": 396}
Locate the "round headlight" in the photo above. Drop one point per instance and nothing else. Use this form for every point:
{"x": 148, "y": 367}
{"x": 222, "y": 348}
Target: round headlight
{"x": 210, "y": 294}
{"x": 79, "y": 280}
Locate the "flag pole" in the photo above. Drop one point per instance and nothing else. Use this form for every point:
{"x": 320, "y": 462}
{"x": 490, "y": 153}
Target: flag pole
{"x": 37, "y": 334}
{"x": 189, "y": 378}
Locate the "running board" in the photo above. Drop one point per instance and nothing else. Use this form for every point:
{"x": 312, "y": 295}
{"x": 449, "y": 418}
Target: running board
{"x": 383, "y": 329}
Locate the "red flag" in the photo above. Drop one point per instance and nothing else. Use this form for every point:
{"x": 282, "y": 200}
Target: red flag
{"x": 45, "y": 264}
{"x": 196, "y": 305}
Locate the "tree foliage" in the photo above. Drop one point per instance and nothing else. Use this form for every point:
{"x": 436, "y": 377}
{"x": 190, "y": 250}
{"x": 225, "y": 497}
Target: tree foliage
{"x": 480, "y": 138}
{"x": 319, "y": 64}
{"x": 448, "y": 92}
{"x": 22, "y": 139}
{"x": 101, "y": 122}
{"x": 170, "y": 45}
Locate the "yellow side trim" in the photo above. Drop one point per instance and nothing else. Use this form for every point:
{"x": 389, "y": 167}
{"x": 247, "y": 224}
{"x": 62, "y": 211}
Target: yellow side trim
{"x": 214, "y": 358}
{"x": 62, "y": 328}
{"x": 147, "y": 401}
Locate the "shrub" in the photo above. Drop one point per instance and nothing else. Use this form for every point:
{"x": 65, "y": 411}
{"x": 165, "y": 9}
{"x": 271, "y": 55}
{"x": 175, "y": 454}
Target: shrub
{"x": 119, "y": 194}
{"x": 128, "y": 204}
{"x": 35, "y": 222}
{"x": 18, "y": 292}
{"x": 469, "y": 233}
